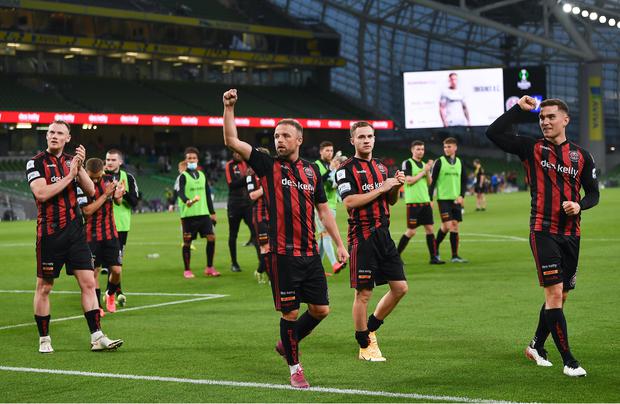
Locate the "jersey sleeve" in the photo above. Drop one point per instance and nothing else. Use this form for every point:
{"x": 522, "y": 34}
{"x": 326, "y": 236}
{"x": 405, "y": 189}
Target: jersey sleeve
{"x": 589, "y": 183}
{"x": 406, "y": 168}
{"x": 346, "y": 183}
{"x": 34, "y": 170}
{"x": 503, "y": 132}
{"x": 261, "y": 163}
{"x": 319, "y": 191}
{"x": 251, "y": 185}
{"x": 82, "y": 199}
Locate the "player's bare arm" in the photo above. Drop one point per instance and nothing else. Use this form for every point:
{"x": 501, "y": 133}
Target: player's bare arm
{"x": 43, "y": 192}
{"x": 329, "y": 222}
{"x": 442, "y": 113}
{"x": 255, "y": 195}
{"x": 359, "y": 200}
{"x": 231, "y": 138}
{"x": 119, "y": 192}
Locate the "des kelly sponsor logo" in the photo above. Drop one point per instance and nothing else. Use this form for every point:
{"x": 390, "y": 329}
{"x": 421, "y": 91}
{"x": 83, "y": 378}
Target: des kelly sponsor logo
{"x": 98, "y": 118}
{"x": 69, "y": 118}
{"x": 189, "y": 120}
{"x": 28, "y": 117}
{"x": 160, "y": 120}
{"x": 130, "y": 119}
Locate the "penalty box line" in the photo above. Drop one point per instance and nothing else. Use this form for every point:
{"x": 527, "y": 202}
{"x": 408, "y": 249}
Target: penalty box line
{"x": 268, "y": 386}
{"x": 150, "y": 306}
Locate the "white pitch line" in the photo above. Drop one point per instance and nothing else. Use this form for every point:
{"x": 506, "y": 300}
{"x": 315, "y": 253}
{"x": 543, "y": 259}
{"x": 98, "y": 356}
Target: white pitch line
{"x": 150, "y": 306}
{"x": 500, "y": 236}
{"x": 75, "y": 292}
{"x": 356, "y": 392}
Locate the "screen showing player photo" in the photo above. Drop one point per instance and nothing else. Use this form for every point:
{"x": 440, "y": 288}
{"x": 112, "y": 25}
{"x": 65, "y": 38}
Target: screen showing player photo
{"x": 446, "y": 98}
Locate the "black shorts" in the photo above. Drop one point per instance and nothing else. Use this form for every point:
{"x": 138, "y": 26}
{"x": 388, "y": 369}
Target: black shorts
{"x": 67, "y": 247}
{"x": 419, "y": 214}
{"x": 197, "y": 224}
{"x": 106, "y": 253}
{"x": 556, "y": 258}
{"x": 450, "y": 210}
{"x": 478, "y": 189}
{"x": 375, "y": 261}
{"x": 295, "y": 280}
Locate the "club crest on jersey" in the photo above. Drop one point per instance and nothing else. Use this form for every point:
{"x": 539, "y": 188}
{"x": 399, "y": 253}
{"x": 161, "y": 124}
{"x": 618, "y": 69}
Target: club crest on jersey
{"x": 68, "y": 163}
{"x": 382, "y": 169}
{"x": 309, "y": 172}
{"x": 573, "y": 156}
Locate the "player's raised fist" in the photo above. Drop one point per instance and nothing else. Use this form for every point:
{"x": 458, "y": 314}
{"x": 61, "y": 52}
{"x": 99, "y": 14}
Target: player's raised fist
{"x": 527, "y": 103}
{"x": 230, "y": 97}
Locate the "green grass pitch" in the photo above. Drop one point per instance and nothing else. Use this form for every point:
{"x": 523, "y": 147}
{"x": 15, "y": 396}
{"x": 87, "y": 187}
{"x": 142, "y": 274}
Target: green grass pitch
{"x": 460, "y": 332}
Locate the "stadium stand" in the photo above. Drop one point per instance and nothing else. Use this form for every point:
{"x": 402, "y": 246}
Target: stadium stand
{"x": 75, "y": 94}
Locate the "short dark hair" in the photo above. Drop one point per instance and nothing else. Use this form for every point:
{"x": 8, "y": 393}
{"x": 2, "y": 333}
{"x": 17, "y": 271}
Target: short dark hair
{"x": 115, "y": 151}
{"x": 192, "y": 150}
{"x": 450, "y": 140}
{"x": 94, "y": 165}
{"x": 452, "y": 74}
{"x": 477, "y": 161}
{"x": 417, "y": 143}
{"x": 61, "y": 122}
{"x": 557, "y": 102}
{"x": 361, "y": 124}
{"x": 293, "y": 122}
{"x": 324, "y": 144}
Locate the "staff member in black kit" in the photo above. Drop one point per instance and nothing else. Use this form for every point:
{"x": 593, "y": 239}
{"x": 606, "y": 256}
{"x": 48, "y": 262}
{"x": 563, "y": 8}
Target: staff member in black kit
{"x": 239, "y": 205}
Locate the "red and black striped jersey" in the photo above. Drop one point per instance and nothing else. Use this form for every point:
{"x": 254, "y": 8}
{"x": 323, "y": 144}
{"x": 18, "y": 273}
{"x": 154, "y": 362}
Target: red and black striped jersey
{"x": 259, "y": 207}
{"x": 292, "y": 190}
{"x": 357, "y": 176}
{"x": 55, "y": 213}
{"x": 100, "y": 225}
{"x": 235, "y": 178}
{"x": 554, "y": 173}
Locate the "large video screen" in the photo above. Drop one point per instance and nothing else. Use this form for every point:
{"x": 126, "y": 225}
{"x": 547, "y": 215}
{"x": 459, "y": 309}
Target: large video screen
{"x": 446, "y": 98}
{"x": 525, "y": 80}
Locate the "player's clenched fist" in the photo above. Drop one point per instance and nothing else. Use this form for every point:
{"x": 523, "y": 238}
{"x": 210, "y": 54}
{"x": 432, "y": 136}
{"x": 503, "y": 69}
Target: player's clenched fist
{"x": 230, "y": 97}
{"x": 527, "y": 103}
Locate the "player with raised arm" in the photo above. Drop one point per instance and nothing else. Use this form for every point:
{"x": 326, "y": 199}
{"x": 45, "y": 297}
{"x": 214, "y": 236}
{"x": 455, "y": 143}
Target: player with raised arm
{"x": 556, "y": 171}
{"x": 293, "y": 189}
{"x": 367, "y": 191}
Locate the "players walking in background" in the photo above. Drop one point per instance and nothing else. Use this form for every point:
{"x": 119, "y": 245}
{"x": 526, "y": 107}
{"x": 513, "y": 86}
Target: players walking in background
{"x": 419, "y": 205}
{"x": 450, "y": 180}
{"x": 367, "y": 192}
{"x": 101, "y": 233}
{"x": 122, "y": 211}
{"x": 195, "y": 207}
{"x": 556, "y": 170}
{"x": 480, "y": 181}
{"x": 327, "y": 168}
{"x": 239, "y": 205}
{"x": 293, "y": 188}
{"x": 54, "y": 178}
{"x": 260, "y": 220}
